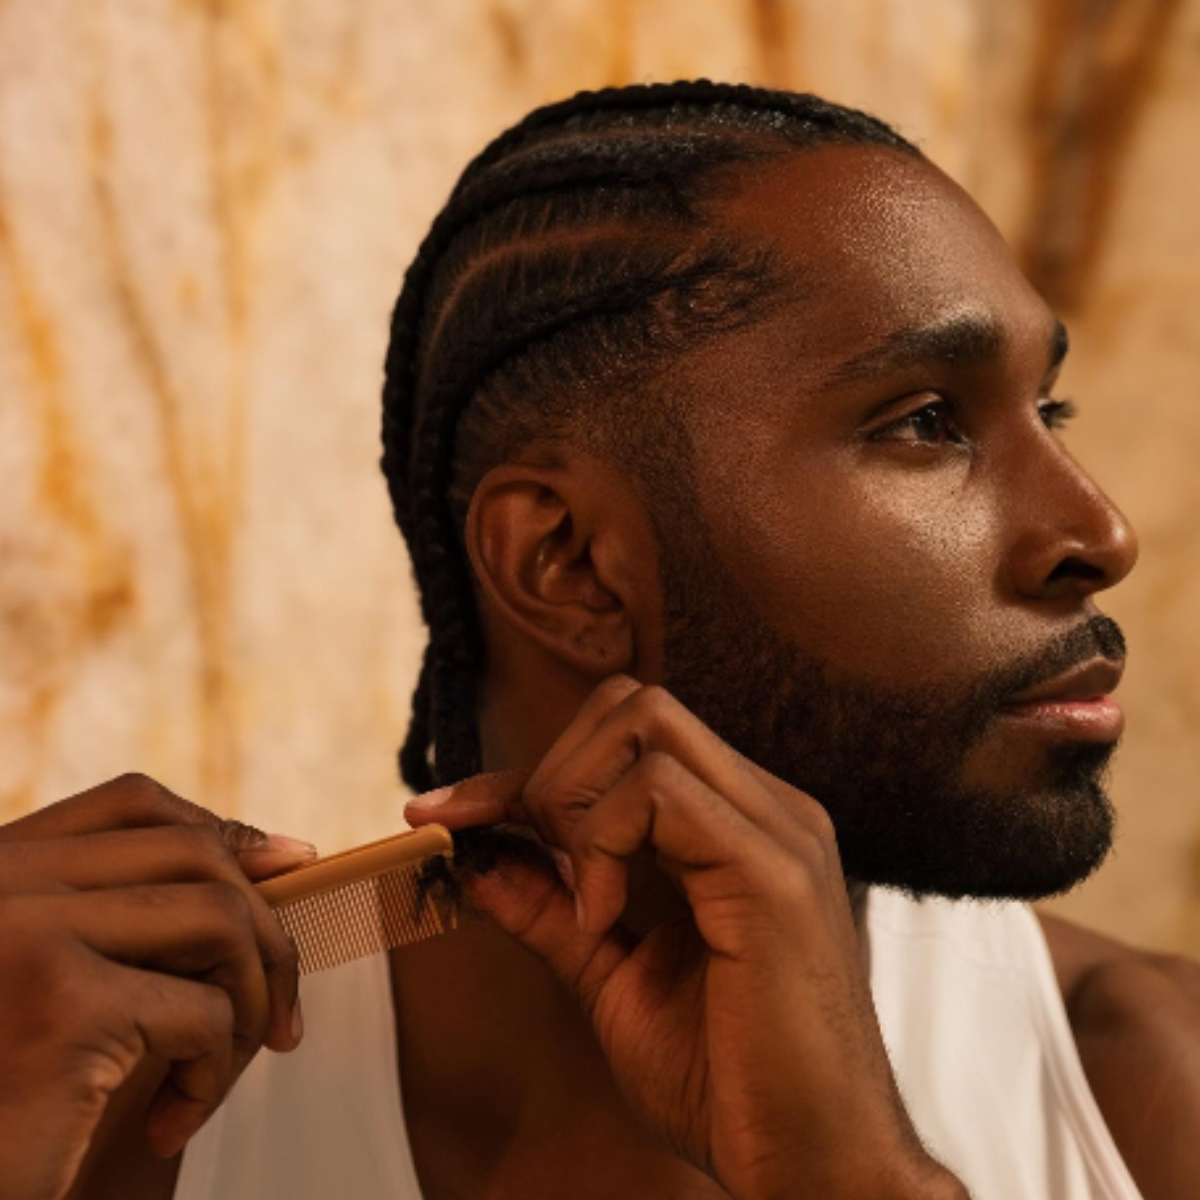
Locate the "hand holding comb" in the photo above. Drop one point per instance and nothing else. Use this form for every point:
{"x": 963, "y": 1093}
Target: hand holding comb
{"x": 361, "y": 901}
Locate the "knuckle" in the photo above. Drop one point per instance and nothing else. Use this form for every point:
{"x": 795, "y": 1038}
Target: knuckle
{"x": 659, "y": 776}
{"x": 537, "y": 794}
{"x": 792, "y": 886}
{"x": 146, "y": 796}
{"x": 655, "y": 703}
{"x": 213, "y": 1028}
{"x": 549, "y": 805}
{"x": 95, "y": 1078}
{"x": 810, "y": 851}
{"x": 100, "y": 1056}
{"x": 819, "y": 823}
{"x": 543, "y": 804}
{"x": 140, "y": 788}
{"x": 656, "y": 716}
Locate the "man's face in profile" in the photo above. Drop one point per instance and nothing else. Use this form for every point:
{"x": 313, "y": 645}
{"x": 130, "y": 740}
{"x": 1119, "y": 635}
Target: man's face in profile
{"x": 895, "y": 549}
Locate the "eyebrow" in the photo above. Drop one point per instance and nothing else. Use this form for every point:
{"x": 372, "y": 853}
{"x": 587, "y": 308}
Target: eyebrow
{"x": 969, "y": 339}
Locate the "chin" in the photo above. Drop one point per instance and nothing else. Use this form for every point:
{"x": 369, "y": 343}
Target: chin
{"x": 1021, "y": 844}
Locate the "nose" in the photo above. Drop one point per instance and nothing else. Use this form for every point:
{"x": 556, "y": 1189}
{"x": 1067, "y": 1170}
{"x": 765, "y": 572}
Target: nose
{"x": 1073, "y": 540}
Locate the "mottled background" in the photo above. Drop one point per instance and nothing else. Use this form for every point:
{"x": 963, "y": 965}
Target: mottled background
{"x": 205, "y": 210}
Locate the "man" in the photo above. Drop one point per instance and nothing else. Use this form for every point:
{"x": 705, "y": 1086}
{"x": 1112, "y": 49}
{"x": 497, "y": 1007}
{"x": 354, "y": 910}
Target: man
{"x": 721, "y": 427}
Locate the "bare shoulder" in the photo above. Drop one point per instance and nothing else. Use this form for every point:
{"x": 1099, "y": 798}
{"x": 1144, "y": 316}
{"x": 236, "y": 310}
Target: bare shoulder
{"x": 1136, "y": 1020}
{"x": 1083, "y": 958}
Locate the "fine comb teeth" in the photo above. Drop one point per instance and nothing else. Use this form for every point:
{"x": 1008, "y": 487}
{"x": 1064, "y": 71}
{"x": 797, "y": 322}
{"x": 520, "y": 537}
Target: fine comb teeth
{"x": 361, "y": 901}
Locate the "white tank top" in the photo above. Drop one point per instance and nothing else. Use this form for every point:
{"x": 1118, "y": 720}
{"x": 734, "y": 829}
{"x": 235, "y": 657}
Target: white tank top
{"x": 979, "y": 1040}
{"x": 970, "y": 1012}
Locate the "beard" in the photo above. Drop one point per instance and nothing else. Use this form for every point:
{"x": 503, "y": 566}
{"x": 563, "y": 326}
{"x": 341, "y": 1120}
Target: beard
{"x": 888, "y": 763}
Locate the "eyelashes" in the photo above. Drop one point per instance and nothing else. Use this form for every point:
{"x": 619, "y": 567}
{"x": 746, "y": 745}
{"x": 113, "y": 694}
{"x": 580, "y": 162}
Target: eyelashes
{"x": 937, "y": 423}
{"x": 930, "y": 425}
{"x": 1057, "y": 414}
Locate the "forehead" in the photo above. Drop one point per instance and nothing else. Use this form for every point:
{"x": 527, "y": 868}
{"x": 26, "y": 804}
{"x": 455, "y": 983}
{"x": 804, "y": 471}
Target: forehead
{"x": 871, "y": 241}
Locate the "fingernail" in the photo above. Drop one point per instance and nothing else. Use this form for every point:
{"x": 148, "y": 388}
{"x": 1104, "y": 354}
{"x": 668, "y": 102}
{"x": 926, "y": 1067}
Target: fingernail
{"x": 431, "y": 799}
{"x": 297, "y": 1021}
{"x": 293, "y": 847}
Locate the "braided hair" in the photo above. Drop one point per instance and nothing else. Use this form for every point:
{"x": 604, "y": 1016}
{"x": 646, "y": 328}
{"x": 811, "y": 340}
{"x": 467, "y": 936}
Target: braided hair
{"x": 576, "y": 257}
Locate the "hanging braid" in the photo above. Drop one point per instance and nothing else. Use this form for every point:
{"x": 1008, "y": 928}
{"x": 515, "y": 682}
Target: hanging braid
{"x": 576, "y": 257}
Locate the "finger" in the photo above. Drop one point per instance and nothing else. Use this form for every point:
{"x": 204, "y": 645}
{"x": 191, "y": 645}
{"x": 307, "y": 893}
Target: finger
{"x": 272, "y": 855}
{"x": 136, "y": 801}
{"x": 199, "y": 931}
{"x": 529, "y": 903}
{"x": 161, "y": 854}
{"x": 495, "y": 798}
{"x": 188, "y": 1023}
{"x": 693, "y": 829}
{"x": 650, "y": 720}
{"x": 129, "y": 801}
{"x": 595, "y": 710}
{"x": 490, "y": 799}
{"x": 168, "y": 855}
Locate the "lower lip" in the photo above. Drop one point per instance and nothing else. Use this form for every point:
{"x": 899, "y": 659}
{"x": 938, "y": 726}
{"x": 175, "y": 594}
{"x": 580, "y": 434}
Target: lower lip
{"x": 1095, "y": 719}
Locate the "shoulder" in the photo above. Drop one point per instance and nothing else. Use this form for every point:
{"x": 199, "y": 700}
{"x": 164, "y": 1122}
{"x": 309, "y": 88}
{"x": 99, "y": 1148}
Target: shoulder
{"x": 1118, "y": 996}
{"x": 1136, "y": 1020}
{"x": 1091, "y": 966}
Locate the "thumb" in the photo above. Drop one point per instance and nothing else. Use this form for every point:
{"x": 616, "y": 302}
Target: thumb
{"x": 532, "y": 905}
{"x": 479, "y": 800}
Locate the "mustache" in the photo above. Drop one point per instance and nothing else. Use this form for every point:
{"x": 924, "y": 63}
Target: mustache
{"x": 1099, "y": 636}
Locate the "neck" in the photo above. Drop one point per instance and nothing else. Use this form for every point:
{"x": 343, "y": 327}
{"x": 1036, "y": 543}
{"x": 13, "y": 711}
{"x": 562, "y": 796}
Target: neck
{"x": 493, "y": 1049}
{"x": 493, "y": 1052}
{"x": 524, "y": 706}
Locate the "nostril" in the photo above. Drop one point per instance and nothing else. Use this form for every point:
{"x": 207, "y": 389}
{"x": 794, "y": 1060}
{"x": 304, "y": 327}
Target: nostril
{"x": 1077, "y": 569}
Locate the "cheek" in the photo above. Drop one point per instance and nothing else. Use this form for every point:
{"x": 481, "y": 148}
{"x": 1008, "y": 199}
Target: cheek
{"x": 887, "y": 575}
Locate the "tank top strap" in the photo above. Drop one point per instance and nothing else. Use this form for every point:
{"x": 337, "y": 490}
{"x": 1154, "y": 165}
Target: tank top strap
{"x": 983, "y": 1052}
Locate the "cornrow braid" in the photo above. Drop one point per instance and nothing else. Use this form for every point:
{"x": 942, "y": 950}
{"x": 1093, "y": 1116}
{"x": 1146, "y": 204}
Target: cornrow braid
{"x": 577, "y": 255}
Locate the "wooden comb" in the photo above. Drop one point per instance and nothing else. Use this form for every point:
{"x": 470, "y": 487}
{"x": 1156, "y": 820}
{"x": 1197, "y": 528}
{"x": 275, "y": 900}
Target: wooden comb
{"x": 361, "y": 901}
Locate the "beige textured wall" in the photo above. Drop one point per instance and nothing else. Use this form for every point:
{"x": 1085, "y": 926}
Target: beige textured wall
{"x": 205, "y": 210}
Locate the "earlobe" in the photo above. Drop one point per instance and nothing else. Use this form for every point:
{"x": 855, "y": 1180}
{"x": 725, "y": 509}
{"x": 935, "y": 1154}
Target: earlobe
{"x": 544, "y": 562}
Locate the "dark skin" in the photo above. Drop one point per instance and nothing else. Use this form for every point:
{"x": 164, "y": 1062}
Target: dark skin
{"x": 848, "y": 508}
{"x": 715, "y": 1034}
{"x": 140, "y": 972}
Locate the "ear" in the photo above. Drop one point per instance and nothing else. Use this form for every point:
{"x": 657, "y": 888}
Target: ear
{"x": 553, "y": 553}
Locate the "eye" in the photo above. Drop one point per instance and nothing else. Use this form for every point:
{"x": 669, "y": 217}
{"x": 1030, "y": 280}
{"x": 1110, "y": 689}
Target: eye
{"x": 1056, "y": 414}
{"x": 932, "y": 424}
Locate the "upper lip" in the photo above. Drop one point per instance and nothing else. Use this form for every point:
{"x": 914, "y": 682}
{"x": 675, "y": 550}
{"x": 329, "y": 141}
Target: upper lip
{"x": 1086, "y": 682}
